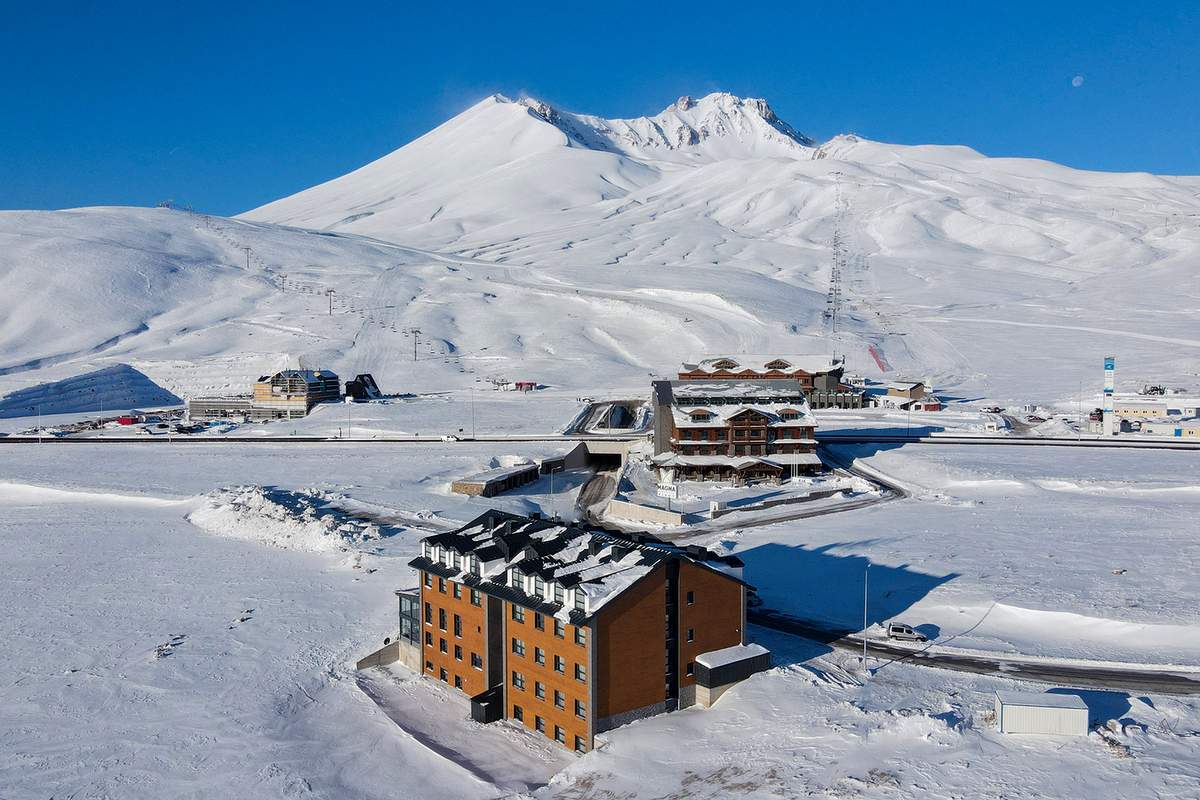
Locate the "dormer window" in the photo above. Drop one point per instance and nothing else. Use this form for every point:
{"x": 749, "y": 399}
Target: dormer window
{"x": 778, "y": 363}
{"x": 580, "y": 600}
{"x": 789, "y": 414}
{"x": 701, "y": 415}
{"x": 725, "y": 363}
{"x": 425, "y": 549}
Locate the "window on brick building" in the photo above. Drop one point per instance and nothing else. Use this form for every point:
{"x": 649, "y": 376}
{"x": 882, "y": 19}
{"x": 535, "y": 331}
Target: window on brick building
{"x": 560, "y": 630}
{"x": 428, "y": 581}
{"x": 539, "y": 724}
{"x": 560, "y": 735}
{"x": 442, "y": 585}
{"x": 457, "y": 589}
{"x": 580, "y": 635}
{"x": 691, "y": 634}
{"x": 539, "y": 656}
{"x": 518, "y": 614}
{"x": 518, "y": 714}
{"x": 429, "y": 666}
{"x": 518, "y": 646}
{"x": 428, "y": 614}
{"x": 476, "y": 597}
{"x": 458, "y": 626}
{"x": 457, "y": 682}
{"x": 429, "y": 638}
{"x": 580, "y": 673}
{"x": 560, "y": 699}
{"x": 539, "y": 690}
{"x": 580, "y": 745}
{"x": 442, "y": 674}
{"x": 476, "y": 661}
{"x": 691, "y": 668}
{"x": 580, "y": 709}
{"x": 518, "y": 681}
{"x": 457, "y": 653}
{"x": 442, "y": 645}
{"x": 691, "y": 598}
{"x": 560, "y": 665}
{"x": 442, "y": 618}
{"x": 539, "y": 622}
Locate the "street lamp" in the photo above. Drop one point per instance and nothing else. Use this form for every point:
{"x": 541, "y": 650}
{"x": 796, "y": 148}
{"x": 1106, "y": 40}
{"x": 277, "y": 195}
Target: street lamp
{"x": 553, "y": 514}
{"x": 866, "y": 580}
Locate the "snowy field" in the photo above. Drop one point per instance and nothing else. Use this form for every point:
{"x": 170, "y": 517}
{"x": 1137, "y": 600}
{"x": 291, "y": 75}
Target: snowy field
{"x": 182, "y": 621}
{"x": 171, "y": 635}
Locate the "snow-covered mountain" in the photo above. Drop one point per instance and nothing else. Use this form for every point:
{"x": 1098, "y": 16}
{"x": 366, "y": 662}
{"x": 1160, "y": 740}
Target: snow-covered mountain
{"x": 525, "y": 240}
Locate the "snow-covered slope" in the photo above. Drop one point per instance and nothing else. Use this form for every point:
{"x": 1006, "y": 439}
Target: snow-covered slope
{"x": 527, "y": 241}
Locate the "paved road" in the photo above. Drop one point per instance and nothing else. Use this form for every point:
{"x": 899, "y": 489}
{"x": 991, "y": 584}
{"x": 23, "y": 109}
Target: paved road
{"x": 1132, "y": 441}
{"x": 1127, "y": 442}
{"x": 1099, "y": 676}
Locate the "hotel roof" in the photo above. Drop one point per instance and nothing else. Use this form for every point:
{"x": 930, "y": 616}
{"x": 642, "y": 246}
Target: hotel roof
{"x": 601, "y": 564}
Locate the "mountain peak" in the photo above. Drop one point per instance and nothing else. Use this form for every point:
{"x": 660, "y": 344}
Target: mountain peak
{"x": 714, "y": 127}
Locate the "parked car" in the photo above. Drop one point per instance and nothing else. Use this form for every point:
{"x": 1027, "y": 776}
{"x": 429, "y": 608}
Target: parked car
{"x": 450, "y": 438}
{"x": 898, "y": 630}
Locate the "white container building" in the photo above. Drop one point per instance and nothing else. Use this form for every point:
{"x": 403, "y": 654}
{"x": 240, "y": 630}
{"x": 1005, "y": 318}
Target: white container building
{"x": 1051, "y": 714}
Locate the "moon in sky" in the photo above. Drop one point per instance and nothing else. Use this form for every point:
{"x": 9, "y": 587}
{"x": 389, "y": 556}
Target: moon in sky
{"x": 1077, "y": 81}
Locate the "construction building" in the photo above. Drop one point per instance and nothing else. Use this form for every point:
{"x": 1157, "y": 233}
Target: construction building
{"x": 573, "y": 631}
{"x": 738, "y": 431}
{"x": 287, "y": 394}
{"x": 820, "y": 376}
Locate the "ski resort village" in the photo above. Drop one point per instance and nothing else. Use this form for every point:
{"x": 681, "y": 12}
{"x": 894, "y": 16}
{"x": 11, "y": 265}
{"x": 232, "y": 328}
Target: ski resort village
{"x": 560, "y": 456}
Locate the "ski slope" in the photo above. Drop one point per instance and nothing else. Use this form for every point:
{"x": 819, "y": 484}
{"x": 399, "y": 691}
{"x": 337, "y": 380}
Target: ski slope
{"x": 527, "y": 242}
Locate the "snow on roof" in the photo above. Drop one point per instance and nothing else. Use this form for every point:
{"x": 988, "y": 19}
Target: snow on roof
{"x": 597, "y": 563}
{"x": 811, "y": 364}
{"x": 497, "y": 473}
{"x": 1047, "y": 699}
{"x": 904, "y": 386}
{"x": 686, "y": 390}
{"x": 719, "y": 416}
{"x": 731, "y": 655}
{"x": 737, "y": 462}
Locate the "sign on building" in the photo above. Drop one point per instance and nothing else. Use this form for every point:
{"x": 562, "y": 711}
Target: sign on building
{"x": 668, "y": 490}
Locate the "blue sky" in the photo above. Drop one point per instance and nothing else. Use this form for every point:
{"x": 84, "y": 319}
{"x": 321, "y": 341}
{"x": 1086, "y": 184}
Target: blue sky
{"x": 228, "y": 106}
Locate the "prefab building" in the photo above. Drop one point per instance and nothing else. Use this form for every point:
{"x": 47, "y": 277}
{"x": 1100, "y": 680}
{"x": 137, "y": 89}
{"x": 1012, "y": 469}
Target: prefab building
{"x": 1050, "y": 714}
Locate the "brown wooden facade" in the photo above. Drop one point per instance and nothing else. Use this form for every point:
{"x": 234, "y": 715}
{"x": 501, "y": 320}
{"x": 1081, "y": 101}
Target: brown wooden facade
{"x": 634, "y": 657}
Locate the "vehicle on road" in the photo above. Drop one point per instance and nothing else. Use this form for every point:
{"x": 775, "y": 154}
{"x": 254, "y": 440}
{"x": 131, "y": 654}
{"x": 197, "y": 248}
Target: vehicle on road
{"x": 904, "y": 633}
{"x": 450, "y": 438}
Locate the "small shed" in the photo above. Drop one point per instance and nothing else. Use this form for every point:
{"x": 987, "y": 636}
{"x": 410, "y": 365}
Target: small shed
{"x": 1049, "y": 713}
{"x": 719, "y": 670}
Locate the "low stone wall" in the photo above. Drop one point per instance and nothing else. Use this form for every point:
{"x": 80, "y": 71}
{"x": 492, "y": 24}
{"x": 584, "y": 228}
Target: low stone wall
{"x": 782, "y": 501}
{"x": 387, "y": 654}
{"x": 637, "y": 513}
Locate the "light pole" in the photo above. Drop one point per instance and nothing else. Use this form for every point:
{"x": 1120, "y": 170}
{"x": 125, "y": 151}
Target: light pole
{"x": 866, "y": 580}
{"x": 553, "y": 514}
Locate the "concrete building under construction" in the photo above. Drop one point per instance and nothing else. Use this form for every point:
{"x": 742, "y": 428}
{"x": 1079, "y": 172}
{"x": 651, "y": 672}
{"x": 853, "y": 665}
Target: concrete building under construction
{"x": 287, "y": 394}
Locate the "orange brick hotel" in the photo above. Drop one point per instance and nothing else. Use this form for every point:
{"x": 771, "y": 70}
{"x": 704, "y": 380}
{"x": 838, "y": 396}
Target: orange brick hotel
{"x": 572, "y": 631}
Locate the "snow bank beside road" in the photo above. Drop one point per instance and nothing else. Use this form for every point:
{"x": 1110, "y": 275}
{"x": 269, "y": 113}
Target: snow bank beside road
{"x": 291, "y": 520}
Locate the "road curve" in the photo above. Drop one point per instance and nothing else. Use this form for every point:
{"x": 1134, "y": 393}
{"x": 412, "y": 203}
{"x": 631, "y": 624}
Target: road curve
{"x": 1079, "y": 673}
